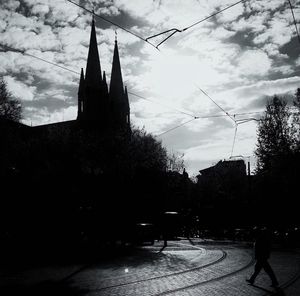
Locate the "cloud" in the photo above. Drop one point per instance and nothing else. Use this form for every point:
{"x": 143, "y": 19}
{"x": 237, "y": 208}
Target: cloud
{"x": 254, "y": 62}
{"x": 11, "y": 4}
{"x": 42, "y": 116}
{"x": 231, "y": 14}
{"x": 256, "y": 22}
{"x": 278, "y": 32}
{"x": 239, "y": 57}
{"x": 40, "y": 9}
{"x": 19, "y": 89}
{"x": 251, "y": 97}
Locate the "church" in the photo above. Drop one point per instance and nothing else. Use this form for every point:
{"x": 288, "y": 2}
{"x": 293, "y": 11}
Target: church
{"x": 103, "y": 106}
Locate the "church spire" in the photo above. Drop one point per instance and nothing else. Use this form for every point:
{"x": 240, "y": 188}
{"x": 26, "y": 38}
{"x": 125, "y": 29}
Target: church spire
{"x": 116, "y": 81}
{"x": 93, "y": 75}
{"x": 118, "y": 96}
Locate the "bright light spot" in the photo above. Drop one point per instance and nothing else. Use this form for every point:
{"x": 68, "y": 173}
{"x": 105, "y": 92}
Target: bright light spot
{"x": 126, "y": 270}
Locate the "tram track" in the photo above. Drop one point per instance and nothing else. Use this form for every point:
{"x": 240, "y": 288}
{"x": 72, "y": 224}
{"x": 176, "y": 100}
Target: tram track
{"x": 221, "y": 258}
{"x": 251, "y": 262}
{"x": 143, "y": 281}
{"x": 194, "y": 269}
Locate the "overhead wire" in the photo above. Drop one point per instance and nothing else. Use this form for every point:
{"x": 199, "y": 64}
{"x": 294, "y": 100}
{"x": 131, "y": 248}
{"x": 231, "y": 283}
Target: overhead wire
{"x": 196, "y": 117}
{"x": 139, "y": 96}
{"x": 112, "y": 23}
{"x": 294, "y": 19}
{"x": 212, "y": 15}
{"x": 234, "y": 138}
{"x": 36, "y": 57}
{"x": 175, "y": 109}
{"x": 175, "y": 30}
{"x": 146, "y": 40}
{"x": 23, "y": 52}
{"x": 173, "y": 128}
{"x": 244, "y": 113}
{"x": 216, "y": 103}
{"x": 238, "y": 122}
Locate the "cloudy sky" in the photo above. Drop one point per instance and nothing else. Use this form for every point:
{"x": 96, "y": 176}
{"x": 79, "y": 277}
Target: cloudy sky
{"x": 239, "y": 58}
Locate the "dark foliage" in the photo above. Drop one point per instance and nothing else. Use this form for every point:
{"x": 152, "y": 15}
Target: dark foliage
{"x": 71, "y": 187}
{"x": 275, "y": 182}
{"x": 10, "y": 107}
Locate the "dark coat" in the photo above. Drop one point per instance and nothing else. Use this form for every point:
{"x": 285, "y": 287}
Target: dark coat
{"x": 262, "y": 246}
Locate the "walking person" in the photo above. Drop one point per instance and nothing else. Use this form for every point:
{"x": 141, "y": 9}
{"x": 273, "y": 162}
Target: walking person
{"x": 262, "y": 249}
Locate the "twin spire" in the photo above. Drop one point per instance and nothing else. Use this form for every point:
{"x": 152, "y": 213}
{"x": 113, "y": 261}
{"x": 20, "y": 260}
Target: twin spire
{"x": 93, "y": 68}
{"x": 95, "y": 102}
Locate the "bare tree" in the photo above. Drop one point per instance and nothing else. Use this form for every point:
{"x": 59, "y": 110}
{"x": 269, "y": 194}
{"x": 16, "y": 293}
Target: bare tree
{"x": 176, "y": 162}
{"x": 10, "y": 107}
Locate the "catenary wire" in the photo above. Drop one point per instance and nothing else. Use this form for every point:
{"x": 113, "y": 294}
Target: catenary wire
{"x": 212, "y": 15}
{"x": 23, "y": 52}
{"x": 194, "y": 117}
{"x": 173, "y": 128}
{"x": 78, "y": 73}
{"x": 234, "y": 138}
{"x": 175, "y": 30}
{"x": 139, "y": 96}
{"x": 175, "y": 109}
{"x": 112, "y": 23}
{"x": 294, "y": 19}
{"x": 5, "y": 47}
{"x": 92, "y": 12}
{"x": 216, "y": 104}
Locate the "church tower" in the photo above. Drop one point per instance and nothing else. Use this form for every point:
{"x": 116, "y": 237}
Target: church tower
{"x": 107, "y": 109}
{"x": 93, "y": 100}
{"x": 120, "y": 111}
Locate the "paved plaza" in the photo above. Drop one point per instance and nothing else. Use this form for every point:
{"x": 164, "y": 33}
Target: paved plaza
{"x": 182, "y": 268}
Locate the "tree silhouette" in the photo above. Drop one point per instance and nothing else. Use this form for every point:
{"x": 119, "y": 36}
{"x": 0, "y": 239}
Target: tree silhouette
{"x": 296, "y": 122}
{"x": 10, "y": 107}
{"x": 277, "y": 164}
{"x": 274, "y": 140}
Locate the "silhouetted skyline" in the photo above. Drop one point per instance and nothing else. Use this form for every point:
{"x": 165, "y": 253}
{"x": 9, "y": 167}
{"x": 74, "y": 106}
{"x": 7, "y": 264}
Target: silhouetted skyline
{"x": 239, "y": 58}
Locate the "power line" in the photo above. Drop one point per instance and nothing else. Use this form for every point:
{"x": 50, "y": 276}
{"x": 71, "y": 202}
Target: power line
{"x": 77, "y": 73}
{"x": 237, "y": 123}
{"x": 245, "y": 113}
{"x": 244, "y": 120}
{"x": 234, "y": 138}
{"x": 9, "y": 48}
{"x": 295, "y": 23}
{"x": 141, "y": 97}
{"x": 216, "y": 103}
{"x": 171, "y": 129}
{"x": 212, "y": 15}
{"x": 196, "y": 117}
{"x": 175, "y": 30}
{"x": 112, "y": 23}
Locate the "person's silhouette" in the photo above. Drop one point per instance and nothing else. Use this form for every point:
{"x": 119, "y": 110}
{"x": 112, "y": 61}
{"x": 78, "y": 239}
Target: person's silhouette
{"x": 262, "y": 249}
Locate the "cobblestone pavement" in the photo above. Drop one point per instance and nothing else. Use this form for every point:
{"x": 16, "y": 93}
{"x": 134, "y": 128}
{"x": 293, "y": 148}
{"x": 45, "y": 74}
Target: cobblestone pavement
{"x": 179, "y": 269}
